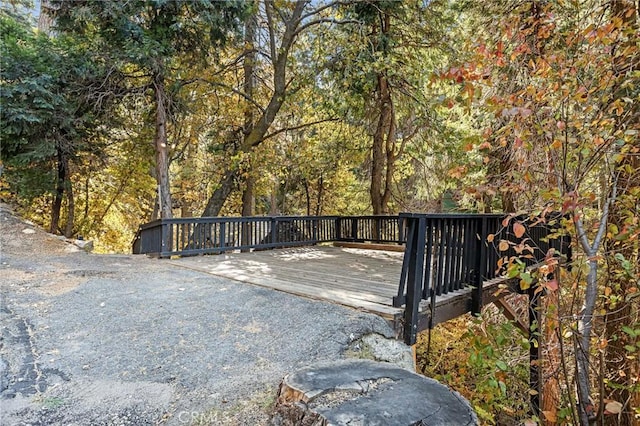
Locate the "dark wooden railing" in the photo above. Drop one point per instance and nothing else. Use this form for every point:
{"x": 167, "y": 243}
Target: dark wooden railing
{"x": 377, "y": 229}
{"x": 446, "y": 253}
{"x": 210, "y": 235}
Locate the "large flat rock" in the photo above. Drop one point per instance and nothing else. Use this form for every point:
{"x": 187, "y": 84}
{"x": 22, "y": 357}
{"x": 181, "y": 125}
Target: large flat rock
{"x": 363, "y": 392}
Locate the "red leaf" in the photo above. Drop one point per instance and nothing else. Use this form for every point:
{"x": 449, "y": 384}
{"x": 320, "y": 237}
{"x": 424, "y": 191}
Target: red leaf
{"x": 518, "y": 229}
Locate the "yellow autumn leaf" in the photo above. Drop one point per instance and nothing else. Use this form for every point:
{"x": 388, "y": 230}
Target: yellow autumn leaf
{"x": 503, "y": 246}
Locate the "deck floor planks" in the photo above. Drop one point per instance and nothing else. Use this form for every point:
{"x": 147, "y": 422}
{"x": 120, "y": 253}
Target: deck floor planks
{"x": 359, "y": 278}
{"x": 362, "y": 279}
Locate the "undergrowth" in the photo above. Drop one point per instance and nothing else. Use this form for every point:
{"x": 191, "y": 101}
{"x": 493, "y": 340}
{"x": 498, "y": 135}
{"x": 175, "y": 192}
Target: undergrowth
{"x": 485, "y": 360}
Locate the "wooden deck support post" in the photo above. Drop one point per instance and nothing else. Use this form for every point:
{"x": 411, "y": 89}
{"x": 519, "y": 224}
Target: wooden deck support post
{"x": 415, "y": 277}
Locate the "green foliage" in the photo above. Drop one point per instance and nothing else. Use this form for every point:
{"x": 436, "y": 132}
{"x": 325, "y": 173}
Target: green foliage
{"x": 484, "y": 360}
{"x": 151, "y": 34}
{"x": 44, "y": 111}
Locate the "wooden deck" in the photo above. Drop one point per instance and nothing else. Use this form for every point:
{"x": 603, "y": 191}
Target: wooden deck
{"x": 359, "y": 278}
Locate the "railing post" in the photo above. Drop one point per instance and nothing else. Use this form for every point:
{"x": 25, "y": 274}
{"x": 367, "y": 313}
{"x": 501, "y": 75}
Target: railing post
{"x": 338, "y": 230}
{"x": 223, "y": 234}
{"x": 354, "y": 228}
{"x": 165, "y": 239}
{"x": 274, "y": 230}
{"x": 246, "y": 234}
{"x": 314, "y": 234}
{"x": 417, "y": 231}
{"x": 481, "y": 268}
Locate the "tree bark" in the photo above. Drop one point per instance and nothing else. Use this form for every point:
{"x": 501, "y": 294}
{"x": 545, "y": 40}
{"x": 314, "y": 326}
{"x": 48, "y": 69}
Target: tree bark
{"x": 45, "y": 19}
{"x": 71, "y": 207}
{"x": 382, "y": 153}
{"x": 220, "y": 194}
{"x": 582, "y": 339}
{"x": 319, "y": 195}
{"x": 248, "y": 196}
{"x": 162, "y": 149}
{"x": 61, "y": 178}
{"x": 551, "y": 364}
{"x": 622, "y": 371}
{"x": 307, "y": 194}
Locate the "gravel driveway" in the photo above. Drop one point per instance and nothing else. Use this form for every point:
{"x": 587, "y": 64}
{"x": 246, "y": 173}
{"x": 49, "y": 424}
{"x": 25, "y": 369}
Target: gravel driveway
{"x": 127, "y": 340}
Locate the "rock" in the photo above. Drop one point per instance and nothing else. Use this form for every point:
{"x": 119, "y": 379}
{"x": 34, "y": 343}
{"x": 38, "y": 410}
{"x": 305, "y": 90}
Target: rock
{"x": 28, "y": 231}
{"x": 378, "y": 348}
{"x": 69, "y": 248}
{"x": 84, "y": 245}
{"x": 363, "y": 392}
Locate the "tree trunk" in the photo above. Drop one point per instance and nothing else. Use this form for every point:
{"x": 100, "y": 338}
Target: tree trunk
{"x": 273, "y": 207}
{"x": 68, "y": 229}
{"x": 383, "y": 155}
{"x": 45, "y": 19}
{"x": 219, "y": 196}
{"x": 156, "y": 210}
{"x": 319, "y": 195}
{"x": 248, "y": 66}
{"x": 583, "y": 342}
{"x": 551, "y": 363}
{"x": 383, "y": 150}
{"x": 621, "y": 370}
{"x": 307, "y": 194}
{"x": 248, "y": 209}
{"x": 162, "y": 149}
{"x": 582, "y": 337}
{"x": 56, "y": 206}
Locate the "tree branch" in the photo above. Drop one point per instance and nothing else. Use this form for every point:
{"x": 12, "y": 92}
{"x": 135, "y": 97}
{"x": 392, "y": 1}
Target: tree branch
{"x": 272, "y": 37}
{"x": 602, "y": 227}
{"x": 325, "y": 21}
{"x": 301, "y": 126}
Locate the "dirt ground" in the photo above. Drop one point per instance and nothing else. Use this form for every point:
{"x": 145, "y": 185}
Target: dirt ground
{"x": 128, "y": 340}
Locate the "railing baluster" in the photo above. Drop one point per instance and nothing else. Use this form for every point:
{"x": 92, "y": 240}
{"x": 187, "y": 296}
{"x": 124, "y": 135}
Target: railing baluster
{"x": 428, "y": 291}
{"x": 440, "y": 271}
{"x": 455, "y": 257}
{"x": 449, "y": 256}
{"x": 467, "y": 254}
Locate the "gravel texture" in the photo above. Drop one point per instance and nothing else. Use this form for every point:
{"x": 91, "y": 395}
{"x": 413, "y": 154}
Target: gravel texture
{"x": 127, "y": 340}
